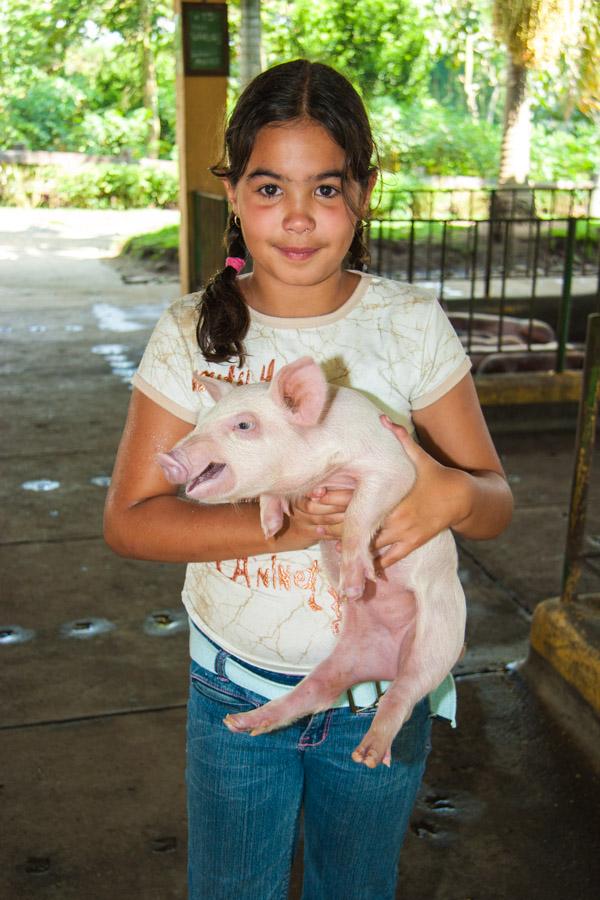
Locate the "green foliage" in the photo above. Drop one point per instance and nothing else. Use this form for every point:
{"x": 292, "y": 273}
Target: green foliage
{"x": 67, "y": 65}
{"x": 565, "y": 152}
{"x": 46, "y": 115}
{"x": 428, "y": 139}
{"x": 101, "y": 186}
{"x": 162, "y": 244}
{"x": 72, "y": 78}
{"x": 380, "y": 44}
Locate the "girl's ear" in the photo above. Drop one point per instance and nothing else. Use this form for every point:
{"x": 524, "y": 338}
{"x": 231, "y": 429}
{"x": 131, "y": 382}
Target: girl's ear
{"x": 231, "y": 195}
{"x": 366, "y": 200}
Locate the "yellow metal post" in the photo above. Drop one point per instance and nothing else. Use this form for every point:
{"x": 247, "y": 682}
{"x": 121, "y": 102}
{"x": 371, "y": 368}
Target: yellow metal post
{"x": 201, "y": 108}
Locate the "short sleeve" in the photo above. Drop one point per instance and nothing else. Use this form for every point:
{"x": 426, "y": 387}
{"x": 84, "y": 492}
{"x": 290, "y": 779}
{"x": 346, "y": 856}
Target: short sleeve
{"x": 444, "y": 361}
{"x": 165, "y": 371}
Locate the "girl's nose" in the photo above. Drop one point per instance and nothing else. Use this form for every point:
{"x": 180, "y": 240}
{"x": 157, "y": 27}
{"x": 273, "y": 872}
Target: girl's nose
{"x": 298, "y": 221}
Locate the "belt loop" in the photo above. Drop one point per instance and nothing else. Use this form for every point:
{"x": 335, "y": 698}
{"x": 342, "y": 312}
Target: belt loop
{"x": 220, "y": 660}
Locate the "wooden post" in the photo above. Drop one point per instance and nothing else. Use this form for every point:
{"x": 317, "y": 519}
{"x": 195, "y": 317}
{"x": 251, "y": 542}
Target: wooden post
{"x": 201, "y": 108}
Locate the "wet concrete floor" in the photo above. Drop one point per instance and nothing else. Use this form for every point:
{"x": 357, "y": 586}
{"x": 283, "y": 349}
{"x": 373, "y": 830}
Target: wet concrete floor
{"x": 93, "y": 647}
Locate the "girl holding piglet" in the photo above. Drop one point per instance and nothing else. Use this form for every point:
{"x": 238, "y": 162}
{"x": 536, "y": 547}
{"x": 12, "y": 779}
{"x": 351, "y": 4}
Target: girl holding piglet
{"x": 298, "y": 171}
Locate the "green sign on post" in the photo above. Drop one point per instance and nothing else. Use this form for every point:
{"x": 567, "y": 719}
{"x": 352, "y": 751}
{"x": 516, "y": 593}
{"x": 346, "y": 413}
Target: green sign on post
{"x": 205, "y": 39}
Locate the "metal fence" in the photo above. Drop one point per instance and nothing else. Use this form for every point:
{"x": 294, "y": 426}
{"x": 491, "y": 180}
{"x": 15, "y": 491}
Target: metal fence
{"x": 517, "y": 290}
{"x": 443, "y": 249}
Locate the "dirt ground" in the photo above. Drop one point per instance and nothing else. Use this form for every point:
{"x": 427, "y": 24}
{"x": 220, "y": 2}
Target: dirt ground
{"x": 93, "y": 647}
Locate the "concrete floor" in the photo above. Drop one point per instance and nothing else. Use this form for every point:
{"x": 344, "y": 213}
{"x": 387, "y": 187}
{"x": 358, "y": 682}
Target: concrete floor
{"x": 93, "y": 700}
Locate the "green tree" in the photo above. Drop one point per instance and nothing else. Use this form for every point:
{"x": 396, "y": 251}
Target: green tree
{"x": 108, "y": 50}
{"x": 380, "y": 44}
{"x": 534, "y": 33}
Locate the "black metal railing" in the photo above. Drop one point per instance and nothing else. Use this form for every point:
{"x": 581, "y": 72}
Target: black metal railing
{"x": 507, "y": 284}
{"x": 513, "y": 288}
{"x": 425, "y": 249}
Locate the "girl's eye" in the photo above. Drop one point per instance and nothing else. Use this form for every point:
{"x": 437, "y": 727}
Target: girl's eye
{"x": 269, "y": 190}
{"x": 245, "y": 426}
{"x": 327, "y": 191}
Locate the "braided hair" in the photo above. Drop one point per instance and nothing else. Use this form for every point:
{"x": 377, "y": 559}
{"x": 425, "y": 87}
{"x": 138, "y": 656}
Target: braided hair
{"x": 293, "y": 91}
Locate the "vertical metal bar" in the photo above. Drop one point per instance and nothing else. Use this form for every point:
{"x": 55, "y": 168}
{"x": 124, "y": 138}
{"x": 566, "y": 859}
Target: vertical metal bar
{"x": 473, "y": 286}
{"x": 380, "y": 248}
{"x": 430, "y": 225}
{"x": 490, "y": 247}
{"x": 536, "y": 248}
{"x": 443, "y": 260}
{"x": 391, "y": 273}
{"x": 507, "y": 224}
{"x": 548, "y": 253}
{"x": 586, "y": 243}
{"x": 565, "y": 303}
{"x": 411, "y": 252}
{"x": 584, "y": 446}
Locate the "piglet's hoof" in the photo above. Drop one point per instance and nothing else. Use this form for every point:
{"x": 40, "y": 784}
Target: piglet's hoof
{"x": 236, "y": 724}
{"x": 371, "y": 753}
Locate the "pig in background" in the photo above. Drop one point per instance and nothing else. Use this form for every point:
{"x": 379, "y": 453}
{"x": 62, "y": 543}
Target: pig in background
{"x": 281, "y": 440}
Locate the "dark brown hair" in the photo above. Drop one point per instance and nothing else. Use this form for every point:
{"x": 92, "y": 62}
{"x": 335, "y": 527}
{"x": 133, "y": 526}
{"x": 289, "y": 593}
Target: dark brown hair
{"x": 291, "y": 91}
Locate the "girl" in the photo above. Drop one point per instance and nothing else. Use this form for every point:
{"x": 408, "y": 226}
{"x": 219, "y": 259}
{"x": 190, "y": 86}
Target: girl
{"x": 298, "y": 173}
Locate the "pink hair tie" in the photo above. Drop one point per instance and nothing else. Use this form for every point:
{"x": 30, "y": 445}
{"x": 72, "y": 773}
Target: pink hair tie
{"x": 236, "y": 263}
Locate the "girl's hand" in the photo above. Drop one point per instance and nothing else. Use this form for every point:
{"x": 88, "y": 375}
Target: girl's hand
{"x": 321, "y": 512}
{"x": 441, "y": 498}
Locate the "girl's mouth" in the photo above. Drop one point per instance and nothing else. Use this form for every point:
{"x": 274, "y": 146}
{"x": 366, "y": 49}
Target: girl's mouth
{"x": 298, "y": 253}
{"x": 211, "y": 471}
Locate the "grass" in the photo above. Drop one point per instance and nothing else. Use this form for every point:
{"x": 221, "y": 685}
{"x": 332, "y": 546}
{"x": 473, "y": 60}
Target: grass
{"x": 155, "y": 245}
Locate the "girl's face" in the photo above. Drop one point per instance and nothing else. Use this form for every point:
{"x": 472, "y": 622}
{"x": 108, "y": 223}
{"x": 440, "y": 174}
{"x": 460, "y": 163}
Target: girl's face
{"x": 295, "y": 221}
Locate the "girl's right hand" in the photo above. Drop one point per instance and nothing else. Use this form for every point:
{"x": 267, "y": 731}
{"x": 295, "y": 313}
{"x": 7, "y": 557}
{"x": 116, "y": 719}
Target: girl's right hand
{"x": 321, "y": 513}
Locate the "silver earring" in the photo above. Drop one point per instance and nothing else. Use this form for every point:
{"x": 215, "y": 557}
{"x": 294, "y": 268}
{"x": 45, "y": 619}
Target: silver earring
{"x": 237, "y": 221}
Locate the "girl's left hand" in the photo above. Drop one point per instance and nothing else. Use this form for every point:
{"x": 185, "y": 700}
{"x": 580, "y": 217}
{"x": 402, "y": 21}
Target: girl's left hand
{"x": 440, "y": 498}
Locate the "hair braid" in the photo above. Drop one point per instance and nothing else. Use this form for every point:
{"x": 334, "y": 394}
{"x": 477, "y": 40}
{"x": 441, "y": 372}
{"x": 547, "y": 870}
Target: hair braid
{"x": 359, "y": 256}
{"x": 224, "y": 318}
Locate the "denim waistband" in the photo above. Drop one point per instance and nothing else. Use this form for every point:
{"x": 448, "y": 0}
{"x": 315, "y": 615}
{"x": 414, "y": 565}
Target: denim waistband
{"x": 277, "y": 677}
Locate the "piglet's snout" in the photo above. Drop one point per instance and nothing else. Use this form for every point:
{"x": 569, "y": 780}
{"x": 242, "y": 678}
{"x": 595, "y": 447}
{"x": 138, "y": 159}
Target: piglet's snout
{"x": 175, "y": 467}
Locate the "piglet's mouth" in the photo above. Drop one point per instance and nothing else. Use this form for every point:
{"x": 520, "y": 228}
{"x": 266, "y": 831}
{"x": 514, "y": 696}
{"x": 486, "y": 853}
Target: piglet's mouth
{"x": 211, "y": 471}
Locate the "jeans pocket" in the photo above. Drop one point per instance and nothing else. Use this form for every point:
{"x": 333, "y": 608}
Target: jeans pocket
{"x": 227, "y": 693}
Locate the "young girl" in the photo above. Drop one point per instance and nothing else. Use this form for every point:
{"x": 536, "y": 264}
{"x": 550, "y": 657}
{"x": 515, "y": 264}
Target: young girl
{"x": 298, "y": 171}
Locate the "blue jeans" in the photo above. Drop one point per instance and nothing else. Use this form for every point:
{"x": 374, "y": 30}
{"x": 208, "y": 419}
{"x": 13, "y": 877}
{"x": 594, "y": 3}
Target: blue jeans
{"x": 245, "y": 795}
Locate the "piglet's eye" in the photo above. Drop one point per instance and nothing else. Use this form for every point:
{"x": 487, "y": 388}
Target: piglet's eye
{"x": 245, "y": 426}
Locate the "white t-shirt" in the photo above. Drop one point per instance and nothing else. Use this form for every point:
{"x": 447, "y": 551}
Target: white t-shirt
{"x": 393, "y": 342}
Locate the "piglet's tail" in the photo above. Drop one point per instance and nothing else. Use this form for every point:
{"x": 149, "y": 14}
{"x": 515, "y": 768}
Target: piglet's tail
{"x": 223, "y": 314}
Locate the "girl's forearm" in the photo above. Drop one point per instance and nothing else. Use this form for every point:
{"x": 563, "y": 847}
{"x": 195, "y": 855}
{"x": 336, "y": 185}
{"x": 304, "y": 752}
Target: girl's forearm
{"x": 167, "y": 528}
{"x": 490, "y": 504}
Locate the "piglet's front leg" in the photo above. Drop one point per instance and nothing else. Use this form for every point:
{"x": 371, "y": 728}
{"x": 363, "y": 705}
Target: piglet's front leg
{"x": 373, "y": 498}
{"x": 272, "y": 509}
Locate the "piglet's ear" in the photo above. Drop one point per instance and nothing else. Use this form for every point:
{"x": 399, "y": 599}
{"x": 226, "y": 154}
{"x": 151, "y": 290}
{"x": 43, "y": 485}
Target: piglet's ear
{"x": 300, "y": 388}
{"x": 216, "y": 388}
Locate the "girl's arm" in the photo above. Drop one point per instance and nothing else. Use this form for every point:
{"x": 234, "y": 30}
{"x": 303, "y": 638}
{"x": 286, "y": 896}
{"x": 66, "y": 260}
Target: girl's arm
{"x": 460, "y": 481}
{"x": 145, "y": 519}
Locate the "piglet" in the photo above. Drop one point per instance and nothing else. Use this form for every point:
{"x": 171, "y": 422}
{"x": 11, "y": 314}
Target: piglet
{"x": 281, "y": 440}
